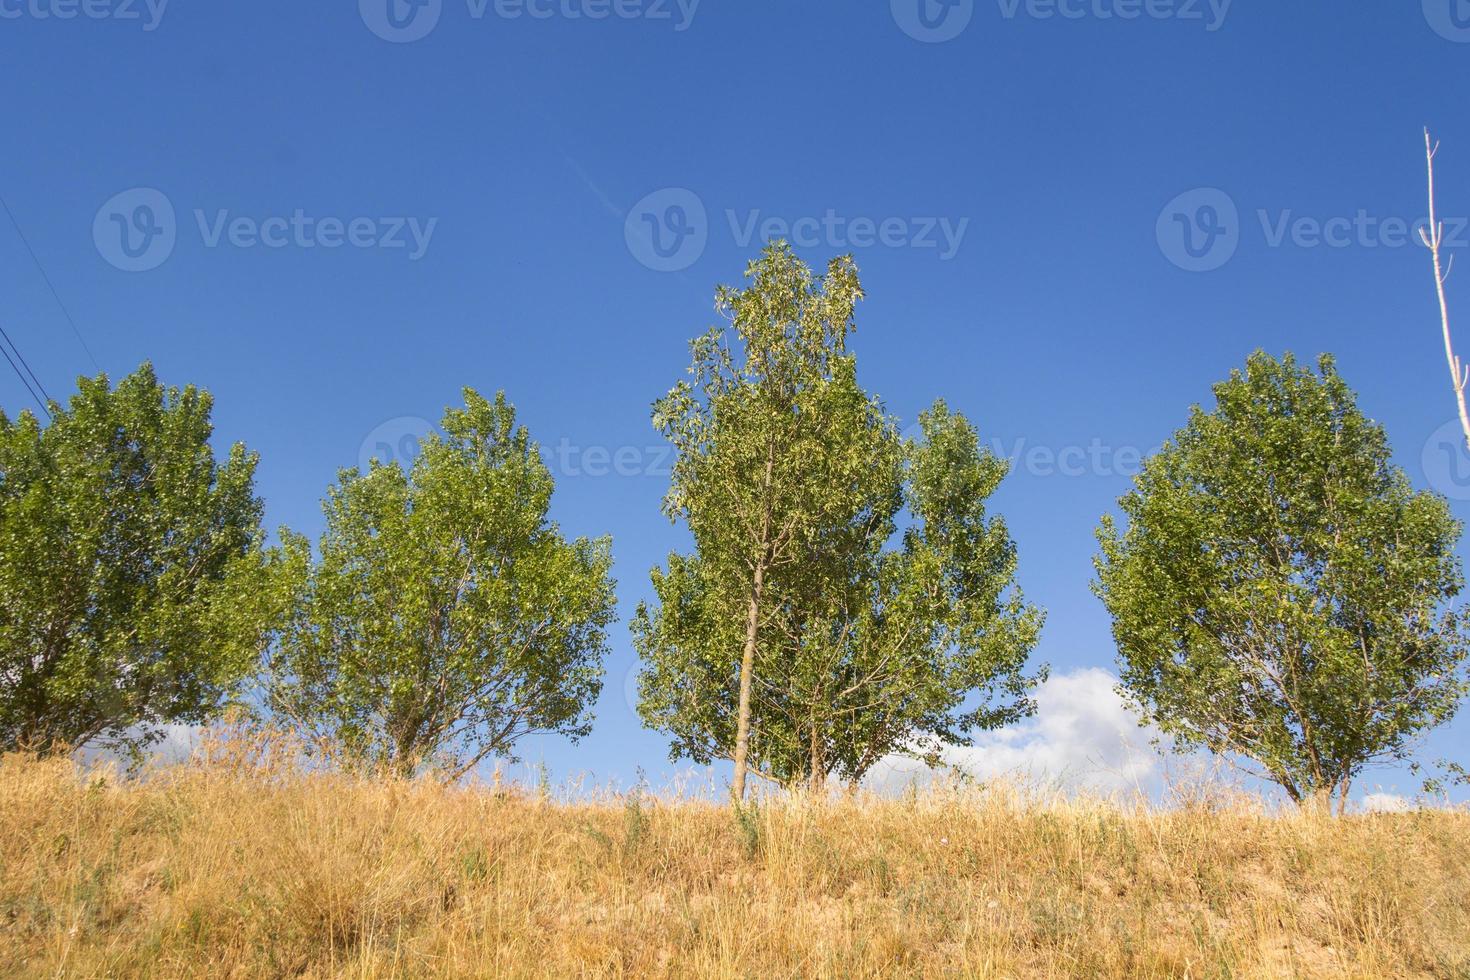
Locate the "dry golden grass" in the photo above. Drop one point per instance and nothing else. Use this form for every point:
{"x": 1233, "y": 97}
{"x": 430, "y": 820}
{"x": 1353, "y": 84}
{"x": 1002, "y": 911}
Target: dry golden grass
{"x": 238, "y": 871}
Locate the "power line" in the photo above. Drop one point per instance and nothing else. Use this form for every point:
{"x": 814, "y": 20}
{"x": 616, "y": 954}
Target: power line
{"x": 40, "y": 387}
{"x": 47, "y": 279}
{"x": 23, "y": 380}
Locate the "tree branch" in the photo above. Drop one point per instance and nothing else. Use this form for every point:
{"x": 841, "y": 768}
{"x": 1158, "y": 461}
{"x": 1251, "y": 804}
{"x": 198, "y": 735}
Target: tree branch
{"x": 1433, "y": 238}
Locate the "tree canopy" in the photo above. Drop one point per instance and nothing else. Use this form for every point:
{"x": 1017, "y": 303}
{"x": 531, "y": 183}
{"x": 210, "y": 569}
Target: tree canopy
{"x": 792, "y": 640}
{"x": 1279, "y": 592}
{"x": 445, "y": 616}
{"x": 133, "y": 588}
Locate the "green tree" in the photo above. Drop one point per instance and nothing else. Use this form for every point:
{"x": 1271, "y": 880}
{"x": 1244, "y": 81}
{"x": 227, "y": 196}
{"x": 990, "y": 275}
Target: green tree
{"x": 791, "y": 641}
{"x": 445, "y": 617}
{"x": 923, "y": 644}
{"x": 1278, "y": 594}
{"x": 133, "y": 589}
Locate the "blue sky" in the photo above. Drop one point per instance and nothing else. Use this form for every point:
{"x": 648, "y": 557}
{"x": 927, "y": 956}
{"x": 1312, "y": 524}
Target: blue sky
{"x": 371, "y": 211}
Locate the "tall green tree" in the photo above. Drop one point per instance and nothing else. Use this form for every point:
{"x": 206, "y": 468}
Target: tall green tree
{"x": 1279, "y": 591}
{"x": 791, "y": 641}
{"x": 445, "y": 617}
{"x": 133, "y": 588}
{"x": 761, "y": 464}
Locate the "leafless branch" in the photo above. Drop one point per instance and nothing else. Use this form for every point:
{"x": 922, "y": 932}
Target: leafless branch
{"x": 1433, "y": 237}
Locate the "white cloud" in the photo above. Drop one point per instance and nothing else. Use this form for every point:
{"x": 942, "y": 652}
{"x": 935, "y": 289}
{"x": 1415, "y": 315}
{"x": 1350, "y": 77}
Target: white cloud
{"x": 177, "y": 745}
{"x": 1082, "y": 738}
{"x": 1386, "y": 803}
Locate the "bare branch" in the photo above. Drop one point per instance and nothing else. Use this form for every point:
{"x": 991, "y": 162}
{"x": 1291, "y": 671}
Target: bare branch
{"x": 1434, "y": 240}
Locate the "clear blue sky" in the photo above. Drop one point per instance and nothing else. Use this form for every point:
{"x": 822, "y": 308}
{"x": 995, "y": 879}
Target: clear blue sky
{"x": 1038, "y": 154}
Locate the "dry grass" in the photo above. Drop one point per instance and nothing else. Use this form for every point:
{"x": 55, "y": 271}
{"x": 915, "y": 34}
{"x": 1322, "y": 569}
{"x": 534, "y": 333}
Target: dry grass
{"x": 237, "y": 871}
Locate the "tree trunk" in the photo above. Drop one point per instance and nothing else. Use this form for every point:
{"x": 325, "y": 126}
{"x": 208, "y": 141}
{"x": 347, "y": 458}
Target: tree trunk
{"x": 752, "y": 629}
{"x": 818, "y": 775}
{"x": 1320, "y": 800}
{"x": 747, "y": 668}
{"x": 1344, "y": 788}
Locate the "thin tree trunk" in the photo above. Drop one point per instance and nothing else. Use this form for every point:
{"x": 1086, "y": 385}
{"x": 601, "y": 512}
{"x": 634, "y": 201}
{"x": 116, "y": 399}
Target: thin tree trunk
{"x": 747, "y": 668}
{"x": 1292, "y": 793}
{"x": 752, "y": 630}
{"x": 1320, "y": 801}
{"x": 818, "y": 764}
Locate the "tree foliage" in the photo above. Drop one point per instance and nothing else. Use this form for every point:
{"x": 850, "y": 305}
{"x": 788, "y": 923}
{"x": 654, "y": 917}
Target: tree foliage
{"x": 927, "y": 641}
{"x": 793, "y": 640}
{"x": 445, "y": 617}
{"x": 1278, "y": 593}
{"x": 133, "y": 590}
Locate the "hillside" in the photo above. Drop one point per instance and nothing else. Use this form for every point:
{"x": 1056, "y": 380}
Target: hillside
{"x": 227, "y": 871}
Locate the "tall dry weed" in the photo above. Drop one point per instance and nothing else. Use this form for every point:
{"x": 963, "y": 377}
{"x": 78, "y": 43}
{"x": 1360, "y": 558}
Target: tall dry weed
{"x": 247, "y": 864}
